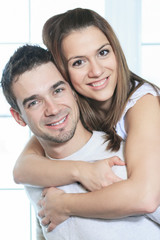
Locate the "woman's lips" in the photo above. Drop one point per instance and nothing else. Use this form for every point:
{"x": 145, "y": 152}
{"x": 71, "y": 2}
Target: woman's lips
{"x": 100, "y": 83}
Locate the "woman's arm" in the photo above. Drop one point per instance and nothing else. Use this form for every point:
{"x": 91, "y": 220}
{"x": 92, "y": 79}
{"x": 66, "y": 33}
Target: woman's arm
{"x": 33, "y": 168}
{"x": 139, "y": 194}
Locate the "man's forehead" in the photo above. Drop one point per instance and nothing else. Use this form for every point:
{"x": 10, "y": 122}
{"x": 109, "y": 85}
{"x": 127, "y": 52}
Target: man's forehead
{"x": 39, "y": 80}
{"x": 43, "y": 72}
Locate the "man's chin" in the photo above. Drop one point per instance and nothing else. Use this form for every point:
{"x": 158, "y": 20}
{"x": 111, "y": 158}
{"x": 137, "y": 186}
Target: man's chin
{"x": 61, "y": 138}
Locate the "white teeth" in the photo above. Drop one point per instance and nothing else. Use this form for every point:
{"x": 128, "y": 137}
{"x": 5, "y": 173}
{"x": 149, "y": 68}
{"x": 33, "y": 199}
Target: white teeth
{"x": 98, "y": 83}
{"x": 57, "y": 123}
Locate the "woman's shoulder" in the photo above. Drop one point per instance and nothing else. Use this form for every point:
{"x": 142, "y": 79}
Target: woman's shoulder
{"x": 144, "y": 89}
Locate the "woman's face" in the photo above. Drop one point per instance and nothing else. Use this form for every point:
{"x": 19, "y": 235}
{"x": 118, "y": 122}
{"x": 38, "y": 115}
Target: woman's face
{"x": 91, "y": 63}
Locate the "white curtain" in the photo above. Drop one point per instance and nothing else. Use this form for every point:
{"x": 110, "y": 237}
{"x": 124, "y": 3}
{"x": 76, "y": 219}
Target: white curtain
{"x": 125, "y": 18}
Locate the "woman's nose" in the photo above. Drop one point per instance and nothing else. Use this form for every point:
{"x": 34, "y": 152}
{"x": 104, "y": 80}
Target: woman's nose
{"x": 95, "y": 69}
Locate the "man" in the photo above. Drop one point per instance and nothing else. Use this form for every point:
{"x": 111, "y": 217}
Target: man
{"x": 42, "y": 99}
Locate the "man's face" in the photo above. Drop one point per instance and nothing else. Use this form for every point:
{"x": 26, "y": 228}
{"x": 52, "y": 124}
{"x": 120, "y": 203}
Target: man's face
{"x": 47, "y": 104}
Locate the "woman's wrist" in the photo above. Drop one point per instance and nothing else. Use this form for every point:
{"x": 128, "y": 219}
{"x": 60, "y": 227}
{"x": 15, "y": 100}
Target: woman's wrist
{"x": 79, "y": 171}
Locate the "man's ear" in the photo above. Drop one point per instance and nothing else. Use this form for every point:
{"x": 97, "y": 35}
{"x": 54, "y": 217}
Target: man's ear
{"x": 16, "y": 115}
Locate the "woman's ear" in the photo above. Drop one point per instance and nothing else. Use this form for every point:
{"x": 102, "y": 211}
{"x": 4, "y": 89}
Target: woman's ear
{"x": 16, "y": 115}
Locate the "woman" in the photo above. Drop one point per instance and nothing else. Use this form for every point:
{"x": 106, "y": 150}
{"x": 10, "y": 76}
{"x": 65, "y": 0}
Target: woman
{"x": 112, "y": 99}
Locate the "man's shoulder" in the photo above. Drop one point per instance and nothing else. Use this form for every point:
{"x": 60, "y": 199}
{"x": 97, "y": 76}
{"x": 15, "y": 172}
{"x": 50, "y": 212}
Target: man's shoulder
{"x": 99, "y": 134}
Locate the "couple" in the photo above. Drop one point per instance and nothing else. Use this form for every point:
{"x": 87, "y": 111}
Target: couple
{"x": 42, "y": 99}
{"x": 106, "y": 201}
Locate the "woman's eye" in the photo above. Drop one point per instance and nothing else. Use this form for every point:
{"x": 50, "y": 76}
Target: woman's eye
{"x": 103, "y": 52}
{"x": 77, "y": 63}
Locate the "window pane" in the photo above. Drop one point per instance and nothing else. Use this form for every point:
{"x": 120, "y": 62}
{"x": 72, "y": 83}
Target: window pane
{"x": 4, "y": 109}
{"x": 12, "y": 141}
{"x": 150, "y": 21}
{"x": 15, "y": 215}
{"x": 14, "y": 21}
{"x": 6, "y": 51}
{"x": 150, "y": 63}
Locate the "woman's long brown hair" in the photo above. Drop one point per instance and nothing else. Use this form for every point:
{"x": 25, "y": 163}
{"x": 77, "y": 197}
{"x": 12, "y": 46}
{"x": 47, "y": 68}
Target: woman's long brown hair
{"x": 60, "y": 26}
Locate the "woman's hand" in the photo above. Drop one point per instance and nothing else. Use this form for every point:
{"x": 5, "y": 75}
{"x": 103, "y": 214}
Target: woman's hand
{"x": 53, "y": 211}
{"x": 99, "y": 174}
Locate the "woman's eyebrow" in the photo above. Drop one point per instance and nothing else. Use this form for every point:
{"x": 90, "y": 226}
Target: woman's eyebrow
{"x": 81, "y": 56}
{"x": 103, "y": 46}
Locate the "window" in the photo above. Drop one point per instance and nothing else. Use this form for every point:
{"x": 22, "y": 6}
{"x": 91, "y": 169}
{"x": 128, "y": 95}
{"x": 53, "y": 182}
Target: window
{"x": 21, "y": 22}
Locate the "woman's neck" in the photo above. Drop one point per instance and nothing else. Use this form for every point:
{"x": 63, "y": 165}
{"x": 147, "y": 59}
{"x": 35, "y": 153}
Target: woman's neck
{"x": 100, "y": 107}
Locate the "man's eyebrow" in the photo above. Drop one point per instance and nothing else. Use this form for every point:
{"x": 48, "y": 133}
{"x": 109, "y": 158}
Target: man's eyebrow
{"x": 29, "y": 99}
{"x": 54, "y": 86}
{"x": 57, "y": 84}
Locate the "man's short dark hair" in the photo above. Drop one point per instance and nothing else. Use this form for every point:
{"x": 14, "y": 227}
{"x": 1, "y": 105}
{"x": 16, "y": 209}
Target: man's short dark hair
{"x": 24, "y": 59}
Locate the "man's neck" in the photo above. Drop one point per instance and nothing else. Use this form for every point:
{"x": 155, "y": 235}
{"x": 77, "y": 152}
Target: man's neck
{"x": 62, "y": 150}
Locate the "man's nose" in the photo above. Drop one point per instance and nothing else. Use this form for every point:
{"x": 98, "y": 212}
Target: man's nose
{"x": 51, "y": 107}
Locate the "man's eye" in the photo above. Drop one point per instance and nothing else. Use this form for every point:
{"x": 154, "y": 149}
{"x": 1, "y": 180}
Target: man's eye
{"x": 33, "y": 103}
{"x": 104, "y": 52}
{"x": 58, "y": 90}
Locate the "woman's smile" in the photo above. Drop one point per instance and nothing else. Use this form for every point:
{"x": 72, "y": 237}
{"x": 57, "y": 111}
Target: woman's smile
{"x": 99, "y": 84}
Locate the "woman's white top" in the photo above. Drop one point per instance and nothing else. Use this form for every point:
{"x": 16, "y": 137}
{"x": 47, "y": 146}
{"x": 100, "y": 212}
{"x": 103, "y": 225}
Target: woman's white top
{"x": 140, "y": 92}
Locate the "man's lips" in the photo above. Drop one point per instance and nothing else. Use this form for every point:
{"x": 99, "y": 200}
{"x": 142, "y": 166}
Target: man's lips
{"x": 57, "y": 122}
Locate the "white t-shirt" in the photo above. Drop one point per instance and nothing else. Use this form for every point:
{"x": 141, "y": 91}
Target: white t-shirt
{"x": 140, "y": 92}
{"x": 77, "y": 228}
